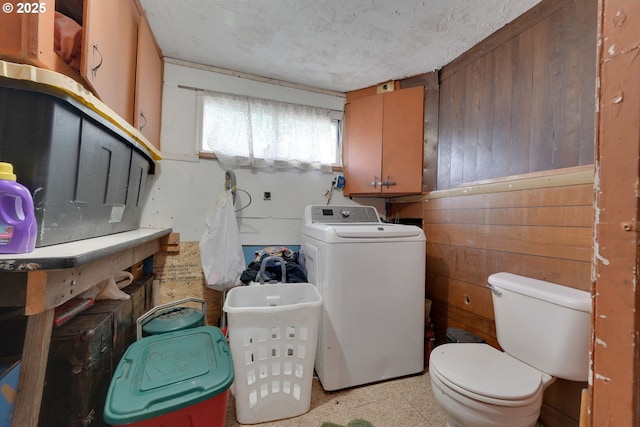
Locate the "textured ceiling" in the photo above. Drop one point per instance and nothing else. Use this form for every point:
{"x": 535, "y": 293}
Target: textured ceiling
{"x": 338, "y": 45}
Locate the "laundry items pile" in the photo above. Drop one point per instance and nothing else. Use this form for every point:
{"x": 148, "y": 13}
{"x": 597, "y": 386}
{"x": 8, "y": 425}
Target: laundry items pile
{"x": 295, "y": 271}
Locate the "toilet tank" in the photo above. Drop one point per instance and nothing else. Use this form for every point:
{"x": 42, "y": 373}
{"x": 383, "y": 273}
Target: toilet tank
{"x": 545, "y": 325}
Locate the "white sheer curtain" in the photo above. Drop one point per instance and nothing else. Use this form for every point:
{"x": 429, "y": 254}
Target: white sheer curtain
{"x": 257, "y": 132}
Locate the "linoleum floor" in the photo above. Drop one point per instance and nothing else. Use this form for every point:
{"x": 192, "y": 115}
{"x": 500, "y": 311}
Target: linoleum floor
{"x": 404, "y": 402}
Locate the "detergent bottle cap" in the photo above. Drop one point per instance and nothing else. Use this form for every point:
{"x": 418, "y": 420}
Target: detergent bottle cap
{"x": 6, "y": 171}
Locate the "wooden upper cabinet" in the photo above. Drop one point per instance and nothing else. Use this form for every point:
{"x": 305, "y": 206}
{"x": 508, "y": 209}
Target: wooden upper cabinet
{"x": 148, "y": 105}
{"x": 110, "y": 46}
{"x": 28, "y": 38}
{"x": 362, "y": 145}
{"x": 120, "y": 62}
{"x": 384, "y": 143}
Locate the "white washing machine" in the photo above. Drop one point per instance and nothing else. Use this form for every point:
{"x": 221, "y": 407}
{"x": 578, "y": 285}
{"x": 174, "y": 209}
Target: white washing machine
{"x": 372, "y": 278}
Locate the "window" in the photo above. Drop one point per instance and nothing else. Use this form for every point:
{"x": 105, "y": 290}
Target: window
{"x": 257, "y": 132}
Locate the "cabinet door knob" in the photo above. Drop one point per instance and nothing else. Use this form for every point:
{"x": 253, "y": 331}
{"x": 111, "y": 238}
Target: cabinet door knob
{"x": 94, "y": 70}
{"x": 374, "y": 184}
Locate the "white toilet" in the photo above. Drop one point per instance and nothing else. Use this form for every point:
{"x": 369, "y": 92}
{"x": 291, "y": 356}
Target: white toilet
{"x": 544, "y": 331}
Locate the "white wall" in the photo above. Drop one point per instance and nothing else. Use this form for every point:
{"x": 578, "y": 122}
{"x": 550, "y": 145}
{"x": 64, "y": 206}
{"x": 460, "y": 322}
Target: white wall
{"x": 186, "y": 187}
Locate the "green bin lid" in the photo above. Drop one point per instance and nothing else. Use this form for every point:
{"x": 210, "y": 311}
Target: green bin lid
{"x": 173, "y": 319}
{"x": 160, "y": 374}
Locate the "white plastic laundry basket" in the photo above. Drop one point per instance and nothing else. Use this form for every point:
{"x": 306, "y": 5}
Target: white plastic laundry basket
{"x": 273, "y": 335}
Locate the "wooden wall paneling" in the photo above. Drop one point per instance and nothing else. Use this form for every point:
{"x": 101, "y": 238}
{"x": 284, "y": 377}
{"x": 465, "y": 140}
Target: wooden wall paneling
{"x": 555, "y": 216}
{"x": 534, "y": 113}
{"x": 445, "y": 135}
{"x": 541, "y": 233}
{"x": 510, "y": 31}
{"x": 404, "y": 210}
{"x": 544, "y": 233}
{"x": 478, "y": 325}
{"x": 588, "y": 13}
{"x": 445, "y": 316}
{"x": 486, "y": 111}
{"x": 521, "y": 104}
{"x": 474, "y": 266}
{"x": 503, "y": 84}
{"x": 455, "y": 273}
{"x": 450, "y": 317}
{"x": 555, "y": 242}
{"x": 455, "y": 167}
{"x": 566, "y": 195}
{"x": 463, "y": 295}
{"x": 431, "y": 131}
{"x": 518, "y": 100}
{"x": 470, "y": 120}
{"x": 566, "y": 63}
{"x": 462, "y": 318}
{"x": 544, "y": 95}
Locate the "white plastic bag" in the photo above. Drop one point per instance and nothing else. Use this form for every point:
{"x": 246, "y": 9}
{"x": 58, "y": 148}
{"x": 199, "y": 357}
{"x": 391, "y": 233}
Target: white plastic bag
{"x": 111, "y": 288}
{"x": 220, "y": 247}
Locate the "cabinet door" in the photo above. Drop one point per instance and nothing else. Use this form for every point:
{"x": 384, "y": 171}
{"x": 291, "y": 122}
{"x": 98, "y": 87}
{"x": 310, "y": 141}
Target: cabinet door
{"x": 28, "y": 37}
{"x": 109, "y": 57}
{"x": 384, "y": 143}
{"x": 148, "y": 103}
{"x": 403, "y": 141}
{"x": 362, "y": 149}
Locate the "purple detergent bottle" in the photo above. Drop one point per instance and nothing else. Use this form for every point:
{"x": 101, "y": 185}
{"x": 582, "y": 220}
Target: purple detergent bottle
{"x": 18, "y": 229}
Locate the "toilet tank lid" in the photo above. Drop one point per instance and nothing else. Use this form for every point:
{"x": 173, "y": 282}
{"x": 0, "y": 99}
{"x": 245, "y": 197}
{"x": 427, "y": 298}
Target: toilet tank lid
{"x": 551, "y": 292}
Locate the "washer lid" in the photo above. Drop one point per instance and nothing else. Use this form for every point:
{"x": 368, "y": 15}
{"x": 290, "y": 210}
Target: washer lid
{"x": 362, "y": 232}
{"x": 482, "y": 370}
{"x": 384, "y": 231}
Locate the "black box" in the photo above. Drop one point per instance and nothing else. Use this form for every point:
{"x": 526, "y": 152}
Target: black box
{"x": 121, "y": 312}
{"x": 141, "y": 299}
{"x": 78, "y": 372}
{"x": 83, "y": 355}
{"x": 86, "y": 175}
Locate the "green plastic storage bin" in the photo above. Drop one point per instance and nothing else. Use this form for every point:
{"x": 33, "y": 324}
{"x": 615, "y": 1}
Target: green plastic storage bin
{"x": 177, "y": 375}
{"x": 171, "y": 317}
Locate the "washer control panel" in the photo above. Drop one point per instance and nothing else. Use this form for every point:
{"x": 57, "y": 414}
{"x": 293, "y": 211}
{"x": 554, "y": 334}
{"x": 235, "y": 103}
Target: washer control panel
{"x": 344, "y": 214}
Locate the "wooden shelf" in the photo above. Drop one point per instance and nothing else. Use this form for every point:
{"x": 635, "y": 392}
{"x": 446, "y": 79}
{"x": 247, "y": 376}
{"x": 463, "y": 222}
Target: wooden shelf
{"x": 50, "y": 276}
{"x": 75, "y": 254}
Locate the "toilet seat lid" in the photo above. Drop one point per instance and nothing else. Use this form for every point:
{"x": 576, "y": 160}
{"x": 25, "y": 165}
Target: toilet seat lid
{"x": 485, "y": 371}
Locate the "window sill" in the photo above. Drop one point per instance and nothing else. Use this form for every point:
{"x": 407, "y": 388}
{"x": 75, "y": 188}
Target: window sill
{"x": 208, "y": 155}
